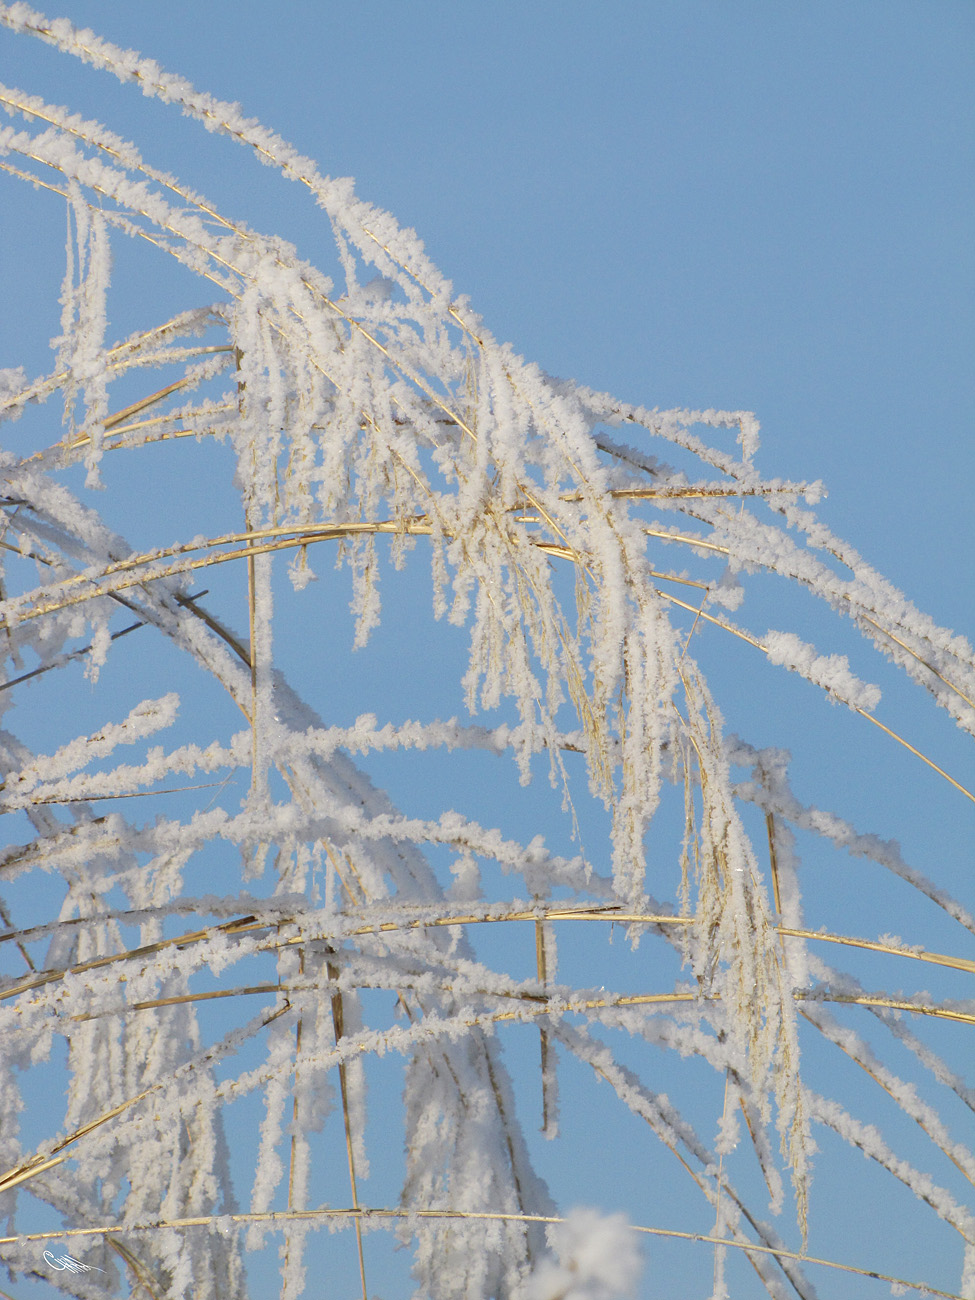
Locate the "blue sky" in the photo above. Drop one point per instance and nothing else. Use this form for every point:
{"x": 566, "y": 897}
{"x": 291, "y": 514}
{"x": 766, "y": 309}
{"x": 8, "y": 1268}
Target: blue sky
{"x": 765, "y": 205}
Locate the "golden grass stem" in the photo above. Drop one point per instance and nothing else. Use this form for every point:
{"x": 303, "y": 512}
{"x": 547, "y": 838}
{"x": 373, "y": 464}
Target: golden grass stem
{"x": 930, "y": 667}
{"x": 338, "y": 1026}
{"x": 895, "y": 1004}
{"x": 615, "y": 916}
{"x": 273, "y": 1217}
{"x": 290, "y": 538}
{"x": 541, "y": 970}
{"x": 773, "y": 864}
{"x": 28, "y": 1169}
{"x": 543, "y": 1005}
{"x": 701, "y": 542}
{"x": 917, "y": 753}
{"x": 35, "y": 1165}
{"x": 294, "y": 1099}
{"x": 251, "y": 614}
{"x": 695, "y": 493}
{"x": 118, "y": 416}
{"x": 753, "y": 641}
{"x": 136, "y": 1266}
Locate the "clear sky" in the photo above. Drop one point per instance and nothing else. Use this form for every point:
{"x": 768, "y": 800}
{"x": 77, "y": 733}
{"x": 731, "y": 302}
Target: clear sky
{"x": 764, "y": 205}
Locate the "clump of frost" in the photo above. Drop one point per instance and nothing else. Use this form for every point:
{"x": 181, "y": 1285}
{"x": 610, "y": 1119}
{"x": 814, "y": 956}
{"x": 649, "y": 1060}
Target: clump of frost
{"x": 12, "y": 384}
{"x": 968, "y": 1275}
{"x": 596, "y": 1257}
{"x": 748, "y": 436}
{"x": 831, "y": 672}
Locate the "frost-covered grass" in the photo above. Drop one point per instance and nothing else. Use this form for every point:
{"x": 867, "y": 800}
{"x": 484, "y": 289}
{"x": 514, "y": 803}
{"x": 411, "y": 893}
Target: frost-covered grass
{"x": 510, "y": 838}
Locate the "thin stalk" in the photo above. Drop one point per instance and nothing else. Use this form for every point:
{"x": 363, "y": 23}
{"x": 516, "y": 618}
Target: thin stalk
{"x": 718, "y": 1250}
{"x": 542, "y": 1003}
{"x": 37, "y": 1164}
{"x": 136, "y": 1266}
{"x": 118, "y": 416}
{"x": 251, "y": 614}
{"x": 308, "y": 534}
{"x": 338, "y": 1026}
{"x": 916, "y": 752}
{"x": 294, "y": 1119}
{"x": 895, "y": 1004}
{"x": 773, "y": 864}
{"x": 541, "y": 968}
{"x": 614, "y": 916}
{"x": 930, "y": 667}
{"x": 272, "y": 1217}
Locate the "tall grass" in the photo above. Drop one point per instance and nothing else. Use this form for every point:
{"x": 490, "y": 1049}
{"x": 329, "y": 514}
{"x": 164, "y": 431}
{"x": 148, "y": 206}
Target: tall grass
{"x": 218, "y": 939}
